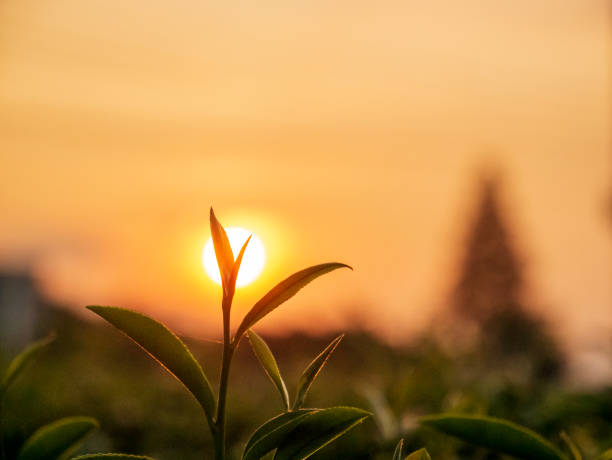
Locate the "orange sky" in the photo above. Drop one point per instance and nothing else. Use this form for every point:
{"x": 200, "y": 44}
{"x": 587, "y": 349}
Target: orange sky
{"x": 349, "y": 131}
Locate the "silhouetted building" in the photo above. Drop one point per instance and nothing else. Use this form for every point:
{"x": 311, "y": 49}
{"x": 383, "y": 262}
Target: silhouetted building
{"x": 18, "y": 310}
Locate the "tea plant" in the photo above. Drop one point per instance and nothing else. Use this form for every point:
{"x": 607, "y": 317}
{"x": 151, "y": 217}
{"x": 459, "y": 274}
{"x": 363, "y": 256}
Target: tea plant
{"x": 504, "y": 437}
{"x": 420, "y": 454}
{"x": 58, "y": 439}
{"x": 296, "y": 433}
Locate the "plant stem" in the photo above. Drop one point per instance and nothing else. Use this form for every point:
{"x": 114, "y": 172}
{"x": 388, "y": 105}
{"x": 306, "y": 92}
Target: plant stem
{"x": 228, "y": 353}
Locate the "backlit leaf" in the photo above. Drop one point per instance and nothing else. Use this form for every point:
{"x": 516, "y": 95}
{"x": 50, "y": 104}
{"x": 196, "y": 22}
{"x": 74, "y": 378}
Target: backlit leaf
{"x": 397, "y": 454}
{"x": 266, "y": 358}
{"x": 166, "y": 348}
{"x": 420, "y": 454}
{"x": 313, "y": 369}
{"x": 318, "y": 430}
{"x": 571, "y": 445}
{"x": 21, "y": 361}
{"x": 496, "y": 434}
{"x": 282, "y": 292}
{"x": 227, "y": 298}
{"x": 268, "y": 436}
{"x": 223, "y": 250}
{"x": 607, "y": 455}
{"x": 57, "y": 439}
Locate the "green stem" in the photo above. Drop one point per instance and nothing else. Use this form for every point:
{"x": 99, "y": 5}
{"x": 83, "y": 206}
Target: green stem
{"x": 228, "y": 353}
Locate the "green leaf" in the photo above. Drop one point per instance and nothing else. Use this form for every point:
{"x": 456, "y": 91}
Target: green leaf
{"x": 607, "y": 455}
{"x": 268, "y": 436}
{"x": 223, "y": 250}
{"x": 420, "y": 454}
{"x": 166, "y": 348}
{"x": 111, "y": 457}
{"x": 57, "y": 439}
{"x": 397, "y": 454}
{"x": 21, "y": 361}
{"x": 266, "y": 358}
{"x": 282, "y": 292}
{"x": 313, "y": 369}
{"x": 571, "y": 445}
{"x": 236, "y": 267}
{"x": 318, "y": 430}
{"x": 496, "y": 434}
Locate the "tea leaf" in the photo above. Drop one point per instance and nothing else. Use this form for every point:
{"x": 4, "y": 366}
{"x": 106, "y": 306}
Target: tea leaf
{"x": 266, "y": 358}
{"x": 313, "y": 369}
{"x": 282, "y": 292}
{"x": 223, "y": 250}
{"x": 268, "y": 437}
{"x": 607, "y": 455}
{"x": 318, "y": 430}
{"x": 496, "y": 434}
{"x": 227, "y": 300}
{"x": 59, "y": 438}
{"x": 166, "y": 348}
{"x": 420, "y": 454}
{"x": 571, "y": 445}
{"x": 21, "y": 361}
{"x": 397, "y": 454}
{"x": 111, "y": 457}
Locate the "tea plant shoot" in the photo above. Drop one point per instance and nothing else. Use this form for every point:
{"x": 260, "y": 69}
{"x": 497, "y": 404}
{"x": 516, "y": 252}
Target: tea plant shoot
{"x": 253, "y": 260}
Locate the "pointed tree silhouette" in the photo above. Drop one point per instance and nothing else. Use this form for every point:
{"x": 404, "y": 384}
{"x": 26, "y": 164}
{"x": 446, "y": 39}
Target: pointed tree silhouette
{"x": 489, "y": 294}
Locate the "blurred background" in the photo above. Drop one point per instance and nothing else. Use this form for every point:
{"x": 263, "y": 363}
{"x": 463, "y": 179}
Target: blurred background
{"x": 457, "y": 155}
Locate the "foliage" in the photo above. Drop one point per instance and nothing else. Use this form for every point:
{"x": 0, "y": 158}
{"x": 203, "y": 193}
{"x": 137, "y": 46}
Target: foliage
{"x": 400, "y": 385}
{"x": 55, "y": 440}
{"x": 315, "y": 429}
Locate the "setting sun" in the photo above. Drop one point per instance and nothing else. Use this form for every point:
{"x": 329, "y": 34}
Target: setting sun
{"x": 252, "y": 263}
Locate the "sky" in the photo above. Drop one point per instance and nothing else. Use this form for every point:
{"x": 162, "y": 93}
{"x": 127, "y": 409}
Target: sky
{"x": 337, "y": 131}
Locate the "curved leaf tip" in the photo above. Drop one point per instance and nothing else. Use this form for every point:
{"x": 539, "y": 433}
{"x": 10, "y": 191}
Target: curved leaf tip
{"x": 22, "y": 360}
{"x": 312, "y": 371}
{"x": 398, "y": 452}
{"x": 223, "y": 251}
{"x": 420, "y": 454}
{"x": 57, "y": 439}
{"x": 268, "y": 362}
{"x": 282, "y": 292}
{"x": 496, "y": 434}
{"x": 318, "y": 430}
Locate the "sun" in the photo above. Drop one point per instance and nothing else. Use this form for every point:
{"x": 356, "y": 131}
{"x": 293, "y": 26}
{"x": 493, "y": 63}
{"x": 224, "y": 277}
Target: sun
{"x": 253, "y": 260}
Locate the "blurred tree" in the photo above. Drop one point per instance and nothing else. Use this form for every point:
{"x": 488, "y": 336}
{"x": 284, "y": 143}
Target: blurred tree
{"x": 488, "y": 296}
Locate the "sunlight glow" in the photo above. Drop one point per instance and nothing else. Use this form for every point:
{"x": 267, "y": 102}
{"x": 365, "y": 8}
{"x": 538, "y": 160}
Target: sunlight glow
{"x": 252, "y": 263}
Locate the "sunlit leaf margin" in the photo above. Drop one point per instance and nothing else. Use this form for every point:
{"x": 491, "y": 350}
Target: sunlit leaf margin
{"x": 398, "y": 452}
{"x": 420, "y": 454}
{"x": 57, "y": 439}
{"x": 607, "y": 455}
{"x": 571, "y": 445}
{"x": 227, "y": 299}
{"x": 268, "y": 362}
{"x": 166, "y": 348}
{"x": 21, "y": 361}
{"x": 318, "y": 430}
{"x": 223, "y": 251}
{"x": 268, "y": 436}
{"x": 112, "y": 457}
{"x": 282, "y": 292}
{"x": 496, "y": 434}
{"x": 311, "y": 372}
